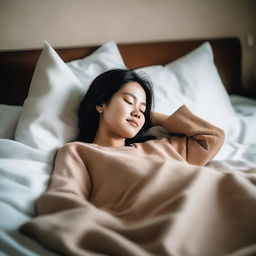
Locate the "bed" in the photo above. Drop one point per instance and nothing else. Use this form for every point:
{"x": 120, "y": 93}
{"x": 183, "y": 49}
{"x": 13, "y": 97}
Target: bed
{"x": 41, "y": 90}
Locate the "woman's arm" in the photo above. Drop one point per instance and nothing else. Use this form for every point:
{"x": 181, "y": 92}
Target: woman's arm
{"x": 195, "y": 139}
{"x": 157, "y": 119}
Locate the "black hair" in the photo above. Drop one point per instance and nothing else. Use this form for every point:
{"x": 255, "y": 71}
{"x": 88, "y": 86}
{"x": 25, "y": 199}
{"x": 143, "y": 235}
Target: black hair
{"x": 101, "y": 91}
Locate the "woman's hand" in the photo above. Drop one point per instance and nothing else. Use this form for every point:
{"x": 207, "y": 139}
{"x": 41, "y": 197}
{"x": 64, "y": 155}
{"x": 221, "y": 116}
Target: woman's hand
{"x": 157, "y": 119}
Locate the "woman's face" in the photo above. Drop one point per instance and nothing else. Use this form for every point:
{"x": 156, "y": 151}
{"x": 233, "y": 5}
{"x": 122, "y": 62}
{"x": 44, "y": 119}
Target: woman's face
{"x": 124, "y": 115}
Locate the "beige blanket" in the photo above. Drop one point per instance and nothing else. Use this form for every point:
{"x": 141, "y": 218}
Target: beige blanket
{"x": 145, "y": 199}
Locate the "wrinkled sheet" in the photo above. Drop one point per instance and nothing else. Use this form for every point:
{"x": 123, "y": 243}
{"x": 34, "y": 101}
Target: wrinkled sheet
{"x": 24, "y": 176}
{"x": 244, "y": 130}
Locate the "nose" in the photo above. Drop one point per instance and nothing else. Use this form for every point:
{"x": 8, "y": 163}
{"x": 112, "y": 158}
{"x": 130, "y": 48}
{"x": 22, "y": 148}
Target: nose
{"x": 136, "y": 113}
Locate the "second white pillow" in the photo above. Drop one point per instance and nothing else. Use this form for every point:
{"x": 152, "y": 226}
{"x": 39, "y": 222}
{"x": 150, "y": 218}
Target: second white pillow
{"x": 194, "y": 80}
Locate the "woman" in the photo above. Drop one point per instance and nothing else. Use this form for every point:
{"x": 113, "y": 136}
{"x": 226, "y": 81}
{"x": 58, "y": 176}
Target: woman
{"x": 116, "y": 111}
{"x": 112, "y": 194}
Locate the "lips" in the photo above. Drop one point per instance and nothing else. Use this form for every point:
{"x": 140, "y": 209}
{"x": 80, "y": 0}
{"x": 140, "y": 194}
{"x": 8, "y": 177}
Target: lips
{"x": 133, "y": 122}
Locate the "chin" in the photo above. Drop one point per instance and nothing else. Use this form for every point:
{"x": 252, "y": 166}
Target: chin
{"x": 129, "y": 135}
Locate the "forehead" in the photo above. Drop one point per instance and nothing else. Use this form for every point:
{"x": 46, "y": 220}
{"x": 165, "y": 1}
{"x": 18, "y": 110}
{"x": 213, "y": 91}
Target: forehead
{"x": 135, "y": 88}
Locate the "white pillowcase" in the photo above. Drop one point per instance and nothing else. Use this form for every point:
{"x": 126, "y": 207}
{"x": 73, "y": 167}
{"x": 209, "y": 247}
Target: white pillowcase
{"x": 9, "y": 116}
{"x": 104, "y": 58}
{"x": 49, "y": 116}
{"x": 194, "y": 80}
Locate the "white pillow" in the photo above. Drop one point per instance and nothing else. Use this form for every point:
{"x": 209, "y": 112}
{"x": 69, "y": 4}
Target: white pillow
{"x": 168, "y": 96}
{"x": 9, "y": 116}
{"x": 104, "y": 58}
{"x": 49, "y": 117}
{"x": 194, "y": 80}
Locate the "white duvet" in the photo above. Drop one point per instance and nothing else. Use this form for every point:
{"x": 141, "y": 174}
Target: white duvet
{"x": 25, "y": 172}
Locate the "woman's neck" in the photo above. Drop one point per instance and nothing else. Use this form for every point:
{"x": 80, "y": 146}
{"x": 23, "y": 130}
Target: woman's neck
{"x": 104, "y": 139}
{"x": 104, "y": 142}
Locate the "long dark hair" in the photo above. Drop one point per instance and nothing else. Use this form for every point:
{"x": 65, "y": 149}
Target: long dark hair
{"x": 101, "y": 91}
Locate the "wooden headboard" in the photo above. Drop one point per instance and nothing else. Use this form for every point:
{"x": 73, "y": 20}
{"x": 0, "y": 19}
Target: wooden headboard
{"x": 17, "y": 67}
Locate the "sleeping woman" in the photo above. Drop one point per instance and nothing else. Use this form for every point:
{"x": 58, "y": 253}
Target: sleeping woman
{"x": 115, "y": 191}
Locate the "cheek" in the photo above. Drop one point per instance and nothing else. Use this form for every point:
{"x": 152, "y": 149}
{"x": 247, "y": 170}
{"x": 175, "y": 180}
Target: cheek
{"x": 121, "y": 108}
{"x": 122, "y": 111}
{"x": 115, "y": 112}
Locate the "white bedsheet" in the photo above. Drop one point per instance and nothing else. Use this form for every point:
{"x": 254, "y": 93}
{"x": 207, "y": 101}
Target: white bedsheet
{"x": 25, "y": 172}
{"x": 24, "y": 175}
{"x": 246, "y": 118}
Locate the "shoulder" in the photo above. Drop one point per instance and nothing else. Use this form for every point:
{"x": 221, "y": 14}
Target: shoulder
{"x": 73, "y": 147}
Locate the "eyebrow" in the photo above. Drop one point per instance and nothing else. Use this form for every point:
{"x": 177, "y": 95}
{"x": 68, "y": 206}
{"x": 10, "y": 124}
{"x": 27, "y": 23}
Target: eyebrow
{"x": 143, "y": 103}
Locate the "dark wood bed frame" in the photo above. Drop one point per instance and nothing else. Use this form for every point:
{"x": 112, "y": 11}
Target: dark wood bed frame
{"x": 17, "y": 67}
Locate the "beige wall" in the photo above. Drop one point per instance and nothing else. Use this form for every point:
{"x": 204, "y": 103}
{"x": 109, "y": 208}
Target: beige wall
{"x": 27, "y": 23}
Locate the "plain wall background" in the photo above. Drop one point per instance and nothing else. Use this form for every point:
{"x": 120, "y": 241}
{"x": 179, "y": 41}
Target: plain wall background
{"x": 25, "y": 24}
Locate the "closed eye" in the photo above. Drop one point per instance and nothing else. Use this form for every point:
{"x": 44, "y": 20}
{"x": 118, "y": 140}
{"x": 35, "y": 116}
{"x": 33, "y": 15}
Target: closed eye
{"x": 130, "y": 103}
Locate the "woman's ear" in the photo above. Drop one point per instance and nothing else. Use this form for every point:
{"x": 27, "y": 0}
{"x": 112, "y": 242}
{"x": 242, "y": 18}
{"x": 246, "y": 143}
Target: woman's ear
{"x": 100, "y": 108}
